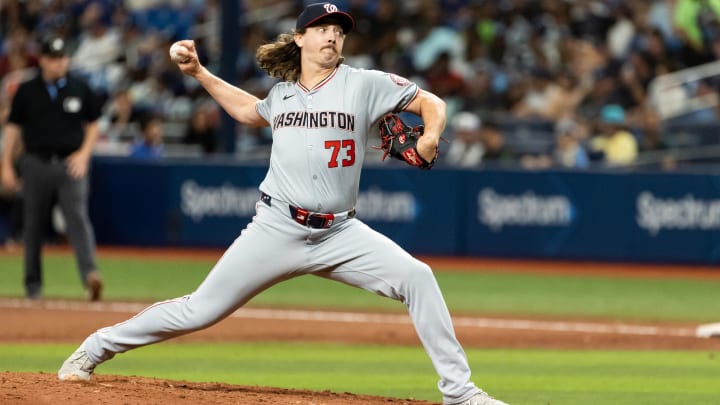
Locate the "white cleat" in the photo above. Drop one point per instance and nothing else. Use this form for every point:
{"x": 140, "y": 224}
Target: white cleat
{"x": 708, "y": 330}
{"x": 482, "y": 398}
{"x": 77, "y": 367}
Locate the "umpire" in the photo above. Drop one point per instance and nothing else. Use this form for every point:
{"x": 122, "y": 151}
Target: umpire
{"x": 55, "y": 115}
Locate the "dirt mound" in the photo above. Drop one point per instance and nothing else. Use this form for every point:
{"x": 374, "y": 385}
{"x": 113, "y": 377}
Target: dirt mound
{"x": 43, "y": 388}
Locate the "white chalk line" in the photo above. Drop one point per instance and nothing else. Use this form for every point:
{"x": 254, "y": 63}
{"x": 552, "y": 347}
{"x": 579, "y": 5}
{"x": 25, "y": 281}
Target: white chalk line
{"x": 352, "y": 317}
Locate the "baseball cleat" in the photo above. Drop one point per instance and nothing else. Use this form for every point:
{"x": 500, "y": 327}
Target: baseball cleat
{"x": 482, "y": 398}
{"x": 708, "y": 330}
{"x": 77, "y": 367}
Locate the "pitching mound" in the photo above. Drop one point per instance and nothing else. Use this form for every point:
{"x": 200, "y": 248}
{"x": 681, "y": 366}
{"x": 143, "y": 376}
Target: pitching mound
{"x": 42, "y": 388}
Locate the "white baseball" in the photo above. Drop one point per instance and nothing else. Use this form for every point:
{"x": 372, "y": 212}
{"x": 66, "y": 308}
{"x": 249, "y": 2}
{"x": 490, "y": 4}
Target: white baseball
{"x": 175, "y": 54}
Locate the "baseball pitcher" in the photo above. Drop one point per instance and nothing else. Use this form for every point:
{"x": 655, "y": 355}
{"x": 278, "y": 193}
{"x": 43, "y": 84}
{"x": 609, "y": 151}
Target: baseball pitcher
{"x": 321, "y": 113}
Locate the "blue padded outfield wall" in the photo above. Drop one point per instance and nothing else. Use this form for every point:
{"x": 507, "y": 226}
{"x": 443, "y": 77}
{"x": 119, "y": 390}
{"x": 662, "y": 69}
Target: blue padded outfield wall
{"x": 643, "y": 217}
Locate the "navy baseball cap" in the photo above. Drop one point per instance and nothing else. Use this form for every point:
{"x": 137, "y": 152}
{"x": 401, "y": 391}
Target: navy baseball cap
{"x": 315, "y": 12}
{"x": 53, "y": 46}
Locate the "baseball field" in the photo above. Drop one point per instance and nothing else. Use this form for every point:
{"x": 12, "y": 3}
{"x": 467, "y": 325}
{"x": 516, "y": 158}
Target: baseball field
{"x": 534, "y": 332}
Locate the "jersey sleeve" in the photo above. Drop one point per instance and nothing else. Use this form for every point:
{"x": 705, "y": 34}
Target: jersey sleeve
{"x": 93, "y": 104}
{"x": 388, "y": 92}
{"x": 17, "y": 112}
{"x": 263, "y": 106}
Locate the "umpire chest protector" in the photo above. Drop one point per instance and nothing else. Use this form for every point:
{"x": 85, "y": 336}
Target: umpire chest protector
{"x": 54, "y": 124}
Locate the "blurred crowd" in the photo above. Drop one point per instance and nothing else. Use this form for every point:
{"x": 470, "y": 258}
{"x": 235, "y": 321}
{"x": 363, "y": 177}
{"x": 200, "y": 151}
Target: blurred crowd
{"x": 121, "y": 48}
{"x": 531, "y": 83}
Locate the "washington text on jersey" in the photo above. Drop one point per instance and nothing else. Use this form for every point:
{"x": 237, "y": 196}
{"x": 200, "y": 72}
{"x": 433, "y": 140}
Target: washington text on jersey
{"x": 315, "y": 119}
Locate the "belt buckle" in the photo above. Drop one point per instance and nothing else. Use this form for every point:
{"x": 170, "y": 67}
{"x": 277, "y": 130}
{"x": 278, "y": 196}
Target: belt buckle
{"x": 321, "y": 220}
{"x": 300, "y": 215}
{"x": 311, "y": 219}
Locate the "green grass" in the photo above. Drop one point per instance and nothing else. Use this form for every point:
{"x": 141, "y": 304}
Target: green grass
{"x": 485, "y": 292}
{"x": 517, "y": 376}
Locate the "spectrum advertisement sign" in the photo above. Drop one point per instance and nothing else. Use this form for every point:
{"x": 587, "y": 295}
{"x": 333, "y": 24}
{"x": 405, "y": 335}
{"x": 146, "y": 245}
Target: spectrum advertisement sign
{"x": 613, "y": 216}
{"x": 598, "y": 216}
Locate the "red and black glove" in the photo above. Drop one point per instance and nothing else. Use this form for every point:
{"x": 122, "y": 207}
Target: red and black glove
{"x": 399, "y": 140}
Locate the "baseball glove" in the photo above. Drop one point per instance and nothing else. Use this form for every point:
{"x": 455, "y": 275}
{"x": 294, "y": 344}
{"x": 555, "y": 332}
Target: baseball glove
{"x": 399, "y": 140}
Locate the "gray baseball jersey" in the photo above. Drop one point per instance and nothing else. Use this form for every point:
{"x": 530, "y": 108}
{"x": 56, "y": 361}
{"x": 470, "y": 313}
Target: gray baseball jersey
{"x": 319, "y": 141}
{"x": 320, "y": 134}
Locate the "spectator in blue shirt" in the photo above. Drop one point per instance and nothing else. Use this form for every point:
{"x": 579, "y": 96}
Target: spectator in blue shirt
{"x": 150, "y": 144}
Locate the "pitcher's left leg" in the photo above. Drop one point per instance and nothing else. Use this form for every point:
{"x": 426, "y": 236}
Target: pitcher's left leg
{"x": 375, "y": 263}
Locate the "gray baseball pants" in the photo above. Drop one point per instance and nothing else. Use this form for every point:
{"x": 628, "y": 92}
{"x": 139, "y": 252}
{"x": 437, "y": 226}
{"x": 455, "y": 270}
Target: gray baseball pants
{"x": 274, "y": 248}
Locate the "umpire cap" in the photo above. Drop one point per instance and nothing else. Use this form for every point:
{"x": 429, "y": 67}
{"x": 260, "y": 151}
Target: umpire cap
{"x": 315, "y": 12}
{"x": 54, "y": 46}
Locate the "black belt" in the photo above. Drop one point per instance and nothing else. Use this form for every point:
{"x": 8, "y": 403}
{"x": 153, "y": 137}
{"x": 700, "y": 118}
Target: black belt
{"x": 310, "y": 219}
{"x": 50, "y": 156}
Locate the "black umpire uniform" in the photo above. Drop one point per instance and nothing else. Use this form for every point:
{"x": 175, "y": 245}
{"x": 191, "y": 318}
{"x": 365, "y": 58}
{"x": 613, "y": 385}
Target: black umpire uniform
{"x": 55, "y": 115}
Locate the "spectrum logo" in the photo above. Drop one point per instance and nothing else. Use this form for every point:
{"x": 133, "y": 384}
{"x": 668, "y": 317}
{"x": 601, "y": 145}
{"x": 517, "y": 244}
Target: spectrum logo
{"x": 527, "y": 209}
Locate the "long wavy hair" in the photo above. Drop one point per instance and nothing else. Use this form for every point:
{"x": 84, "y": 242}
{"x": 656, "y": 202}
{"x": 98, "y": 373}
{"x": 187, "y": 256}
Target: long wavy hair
{"x": 281, "y": 58}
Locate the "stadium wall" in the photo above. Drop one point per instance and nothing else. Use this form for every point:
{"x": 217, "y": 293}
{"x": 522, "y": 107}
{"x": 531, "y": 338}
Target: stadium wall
{"x": 579, "y": 215}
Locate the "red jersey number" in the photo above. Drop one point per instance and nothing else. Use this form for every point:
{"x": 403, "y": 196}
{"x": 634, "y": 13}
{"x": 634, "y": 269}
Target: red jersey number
{"x": 347, "y": 146}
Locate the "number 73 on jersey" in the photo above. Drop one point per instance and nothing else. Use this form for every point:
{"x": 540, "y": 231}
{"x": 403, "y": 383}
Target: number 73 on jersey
{"x": 343, "y": 152}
